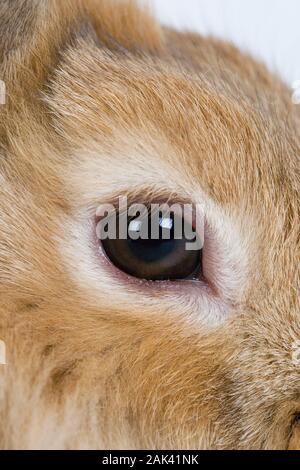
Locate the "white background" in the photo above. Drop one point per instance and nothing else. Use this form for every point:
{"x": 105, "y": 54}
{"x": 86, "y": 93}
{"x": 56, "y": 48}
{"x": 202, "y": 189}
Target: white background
{"x": 269, "y": 29}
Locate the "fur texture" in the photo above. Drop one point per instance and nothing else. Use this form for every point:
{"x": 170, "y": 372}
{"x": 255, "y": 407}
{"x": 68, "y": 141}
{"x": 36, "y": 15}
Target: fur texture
{"x": 103, "y": 101}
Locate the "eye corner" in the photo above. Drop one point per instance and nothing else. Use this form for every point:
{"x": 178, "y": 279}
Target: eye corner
{"x": 296, "y": 419}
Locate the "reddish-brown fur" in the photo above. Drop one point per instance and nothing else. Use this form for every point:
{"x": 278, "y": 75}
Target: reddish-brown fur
{"x": 102, "y": 101}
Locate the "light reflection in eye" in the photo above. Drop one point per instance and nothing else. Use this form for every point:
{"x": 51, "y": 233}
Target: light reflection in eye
{"x": 166, "y": 223}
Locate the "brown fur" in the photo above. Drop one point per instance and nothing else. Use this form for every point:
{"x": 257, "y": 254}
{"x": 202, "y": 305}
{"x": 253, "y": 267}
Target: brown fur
{"x": 103, "y": 101}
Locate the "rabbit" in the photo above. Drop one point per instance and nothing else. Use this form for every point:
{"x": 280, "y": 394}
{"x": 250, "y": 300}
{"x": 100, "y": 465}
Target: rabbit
{"x": 101, "y": 102}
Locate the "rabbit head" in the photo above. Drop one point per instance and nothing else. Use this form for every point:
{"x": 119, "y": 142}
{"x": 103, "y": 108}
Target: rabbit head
{"x": 101, "y": 102}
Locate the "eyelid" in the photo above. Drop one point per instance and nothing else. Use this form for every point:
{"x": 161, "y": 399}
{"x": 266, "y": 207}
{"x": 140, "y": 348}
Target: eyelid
{"x": 225, "y": 258}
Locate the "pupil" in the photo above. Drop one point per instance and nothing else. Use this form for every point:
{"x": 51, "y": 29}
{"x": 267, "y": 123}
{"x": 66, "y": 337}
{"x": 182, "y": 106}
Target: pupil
{"x": 151, "y": 251}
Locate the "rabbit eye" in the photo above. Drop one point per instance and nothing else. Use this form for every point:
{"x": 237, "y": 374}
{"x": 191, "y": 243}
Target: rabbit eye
{"x": 156, "y": 252}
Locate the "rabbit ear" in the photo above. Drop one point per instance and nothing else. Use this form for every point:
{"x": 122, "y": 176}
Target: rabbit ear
{"x": 31, "y": 35}
{"x": 17, "y": 22}
{"x": 126, "y": 24}
{"x": 34, "y": 32}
